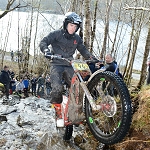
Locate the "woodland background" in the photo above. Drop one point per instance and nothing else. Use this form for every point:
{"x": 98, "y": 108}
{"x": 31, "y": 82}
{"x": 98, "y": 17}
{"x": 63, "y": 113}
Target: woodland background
{"x": 134, "y": 13}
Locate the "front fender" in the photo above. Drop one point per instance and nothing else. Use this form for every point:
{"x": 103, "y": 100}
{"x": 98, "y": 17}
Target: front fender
{"x": 95, "y": 73}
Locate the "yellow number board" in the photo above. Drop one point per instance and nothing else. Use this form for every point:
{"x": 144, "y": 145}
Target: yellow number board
{"x": 80, "y": 66}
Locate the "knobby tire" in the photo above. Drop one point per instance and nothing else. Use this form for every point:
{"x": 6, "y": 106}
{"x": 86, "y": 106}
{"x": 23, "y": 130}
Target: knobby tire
{"x": 112, "y": 129}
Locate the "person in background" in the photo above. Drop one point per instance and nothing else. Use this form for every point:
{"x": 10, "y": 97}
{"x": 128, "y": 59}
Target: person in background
{"x": 48, "y": 85}
{"x": 12, "y": 56}
{"x": 14, "y": 82}
{"x": 12, "y": 74}
{"x": 41, "y": 82}
{"x": 33, "y": 85}
{"x": 111, "y": 65}
{"x": 5, "y": 79}
{"x": 20, "y": 86}
{"x": 148, "y": 75}
{"x": 26, "y": 86}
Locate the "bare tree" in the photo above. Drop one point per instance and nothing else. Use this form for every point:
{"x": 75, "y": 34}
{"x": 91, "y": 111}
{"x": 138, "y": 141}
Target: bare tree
{"x": 10, "y": 7}
{"x": 113, "y": 50}
{"x": 35, "y": 56}
{"x": 3, "y": 51}
{"x": 87, "y": 26}
{"x": 93, "y": 29}
{"x": 137, "y": 23}
{"x": 146, "y": 53}
{"x": 106, "y": 30}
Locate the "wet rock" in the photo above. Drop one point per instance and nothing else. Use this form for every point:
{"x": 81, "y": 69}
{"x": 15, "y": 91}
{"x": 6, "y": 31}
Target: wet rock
{"x": 3, "y": 118}
{"x": 29, "y": 124}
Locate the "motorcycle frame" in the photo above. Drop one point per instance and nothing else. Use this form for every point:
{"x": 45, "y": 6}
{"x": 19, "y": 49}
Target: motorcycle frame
{"x": 86, "y": 93}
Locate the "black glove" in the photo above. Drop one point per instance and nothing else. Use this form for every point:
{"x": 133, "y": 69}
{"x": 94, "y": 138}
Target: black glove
{"x": 47, "y": 53}
{"x": 94, "y": 59}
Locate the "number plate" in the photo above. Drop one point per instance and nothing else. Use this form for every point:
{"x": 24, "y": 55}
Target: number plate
{"x": 80, "y": 66}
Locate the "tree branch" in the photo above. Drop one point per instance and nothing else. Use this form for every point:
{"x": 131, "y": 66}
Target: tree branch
{"x": 9, "y": 9}
{"x": 136, "y": 8}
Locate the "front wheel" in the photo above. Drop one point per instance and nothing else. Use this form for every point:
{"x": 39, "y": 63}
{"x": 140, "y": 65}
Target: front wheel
{"x": 109, "y": 125}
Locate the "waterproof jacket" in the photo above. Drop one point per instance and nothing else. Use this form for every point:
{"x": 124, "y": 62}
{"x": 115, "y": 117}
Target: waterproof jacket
{"x": 20, "y": 86}
{"x": 110, "y": 67}
{"x": 64, "y": 46}
{"x": 41, "y": 81}
{"x": 26, "y": 83}
{"x": 34, "y": 82}
{"x": 5, "y": 77}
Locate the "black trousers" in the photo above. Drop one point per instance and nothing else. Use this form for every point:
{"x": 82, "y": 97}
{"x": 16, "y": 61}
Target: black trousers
{"x": 7, "y": 90}
{"x": 57, "y": 75}
{"x": 34, "y": 89}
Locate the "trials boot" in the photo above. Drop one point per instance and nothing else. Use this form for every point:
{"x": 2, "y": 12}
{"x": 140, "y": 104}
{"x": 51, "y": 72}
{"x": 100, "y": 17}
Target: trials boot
{"x": 59, "y": 118}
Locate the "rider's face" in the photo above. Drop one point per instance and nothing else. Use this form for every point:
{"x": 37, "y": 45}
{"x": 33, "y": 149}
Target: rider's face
{"x": 71, "y": 28}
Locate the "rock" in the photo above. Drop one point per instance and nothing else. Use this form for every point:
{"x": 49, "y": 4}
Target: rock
{"x": 29, "y": 124}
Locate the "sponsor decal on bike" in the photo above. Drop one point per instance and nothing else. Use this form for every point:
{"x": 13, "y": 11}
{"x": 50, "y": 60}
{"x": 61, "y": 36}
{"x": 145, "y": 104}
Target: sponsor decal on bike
{"x": 91, "y": 120}
{"x": 102, "y": 79}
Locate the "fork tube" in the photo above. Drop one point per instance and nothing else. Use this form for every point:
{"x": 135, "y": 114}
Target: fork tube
{"x": 87, "y": 93}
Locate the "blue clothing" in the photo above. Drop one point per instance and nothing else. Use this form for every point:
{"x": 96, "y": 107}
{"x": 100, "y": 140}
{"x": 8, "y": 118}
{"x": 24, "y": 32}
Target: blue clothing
{"x": 26, "y": 83}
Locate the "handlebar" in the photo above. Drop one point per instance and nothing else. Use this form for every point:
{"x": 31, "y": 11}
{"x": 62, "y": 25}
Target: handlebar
{"x": 59, "y": 57}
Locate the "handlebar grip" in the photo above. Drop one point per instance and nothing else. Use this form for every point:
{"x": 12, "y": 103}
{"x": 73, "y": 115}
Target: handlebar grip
{"x": 53, "y": 56}
{"x": 48, "y": 56}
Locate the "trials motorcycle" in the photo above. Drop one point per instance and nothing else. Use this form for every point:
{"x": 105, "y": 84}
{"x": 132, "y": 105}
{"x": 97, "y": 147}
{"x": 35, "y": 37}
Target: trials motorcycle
{"x": 102, "y": 101}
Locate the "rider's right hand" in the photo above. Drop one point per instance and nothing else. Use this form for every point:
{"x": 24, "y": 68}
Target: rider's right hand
{"x": 47, "y": 53}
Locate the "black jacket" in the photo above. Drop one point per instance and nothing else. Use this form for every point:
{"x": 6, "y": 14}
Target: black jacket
{"x": 110, "y": 67}
{"x": 34, "y": 81}
{"x": 5, "y": 77}
{"x": 64, "y": 46}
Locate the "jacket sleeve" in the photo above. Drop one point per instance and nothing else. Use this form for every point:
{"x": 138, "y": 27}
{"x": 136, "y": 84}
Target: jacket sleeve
{"x": 83, "y": 50}
{"x": 46, "y": 41}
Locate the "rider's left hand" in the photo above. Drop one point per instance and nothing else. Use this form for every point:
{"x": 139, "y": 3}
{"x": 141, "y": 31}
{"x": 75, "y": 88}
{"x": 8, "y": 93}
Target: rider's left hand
{"x": 94, "y": 58}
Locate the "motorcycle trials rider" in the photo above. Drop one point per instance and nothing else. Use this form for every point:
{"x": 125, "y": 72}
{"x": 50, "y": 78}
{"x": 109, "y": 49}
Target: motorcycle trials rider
{"x": 64, "y": 43}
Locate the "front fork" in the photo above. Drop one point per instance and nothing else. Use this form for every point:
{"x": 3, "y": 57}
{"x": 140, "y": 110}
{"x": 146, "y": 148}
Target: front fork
{"x": 88, "y": 94}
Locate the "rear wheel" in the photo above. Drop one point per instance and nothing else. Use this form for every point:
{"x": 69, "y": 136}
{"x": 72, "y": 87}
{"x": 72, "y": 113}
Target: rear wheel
{"x": 111, "y": 124}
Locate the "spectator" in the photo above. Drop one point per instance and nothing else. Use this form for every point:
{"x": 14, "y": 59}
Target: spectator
{"x": 33, "y": 85}
{"x": 111, "y": 65}
{"x": 41, "y": 82}
{"x": 16, "y": 58}
{"x": 148, "y": 75}
{"x": 5, "y": 79}
{"x": 48, "y": 85}
{"x": 12, "y": 55}
{"x": 14, "y": 85}
{"x": 26, "y": 86}
{"x": 20, "y": 86}
{"x": 12, "y": 74}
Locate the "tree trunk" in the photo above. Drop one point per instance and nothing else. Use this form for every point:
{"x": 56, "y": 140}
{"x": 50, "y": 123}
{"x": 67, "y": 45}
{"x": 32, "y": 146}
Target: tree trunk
{"x": 6, "y": 40}
{"x": 126, "y": 69}
{"x": 136, "y": 31}
{"x": 106, "y": 30}
{"x": 94, "y": 27}
{"x": 113, "y": 50}
{"x": 34, "y": 57}
{"x": 144, "y": 66}
{"x": 87, "y": 27}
